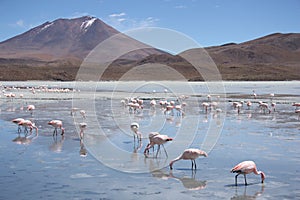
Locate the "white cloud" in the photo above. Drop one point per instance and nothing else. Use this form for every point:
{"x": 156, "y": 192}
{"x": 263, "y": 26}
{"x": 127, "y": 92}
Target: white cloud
{"x": 20, "y": 23}
{"x": 122, "y": 22}
{"x": 117, "y": 15}
{"x": 79, "y": 14}
{"x": 180, "y": 7}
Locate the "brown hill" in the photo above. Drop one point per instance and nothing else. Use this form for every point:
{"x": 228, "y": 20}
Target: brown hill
{"x": 55, "y": 50}
{"x": 273, "y": 57}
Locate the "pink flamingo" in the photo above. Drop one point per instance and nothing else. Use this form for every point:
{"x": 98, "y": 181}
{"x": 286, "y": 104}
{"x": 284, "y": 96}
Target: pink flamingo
{"x": 17, "y": 121}
{"x": 264, "y": 107}
{"x": 205, "y": 106}
{"x": 273, "y": 105}
{"x": 31, "y": 108}
{"x": 159, "y": 140}
{"x": 82, "y": 127}
{"x": 57, "y": 124}
{"x": 249, "y": 104}
{"x": 135, "y": 128}
{"x": 82, "y": 112}
{"x": 296, "y": 105}
{"x": 189, "y": 154}
{"x": 298, "y": 112}
{"x": 153, "y": 103}
{"x": 247, "y": 167}
{"x": 151, "y": 136}
{"x": 28, "y": 124}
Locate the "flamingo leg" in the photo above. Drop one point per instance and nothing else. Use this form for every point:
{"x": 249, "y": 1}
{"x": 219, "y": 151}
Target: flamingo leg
{"x": 245, "y": 179}
{"x": 192, "y": 164}
{"x": 165, "y": 150}
{"x": 195, "y": 164}
{"x": 19, "y": 129}
{"x": 55, "y": 132}
{"x": 158, "y": 149}
{"x": 236, "y": 179}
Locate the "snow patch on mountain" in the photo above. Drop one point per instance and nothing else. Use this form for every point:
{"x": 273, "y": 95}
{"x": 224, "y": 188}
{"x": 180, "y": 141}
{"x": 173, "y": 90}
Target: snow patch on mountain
{"x": 47, "y": 26}
{"x": 86, "y": 24}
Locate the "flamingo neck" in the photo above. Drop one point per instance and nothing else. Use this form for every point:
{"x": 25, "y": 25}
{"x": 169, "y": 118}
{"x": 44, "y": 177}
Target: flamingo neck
{"x": 262, "y": 175}
{"x": 176, "y": 159}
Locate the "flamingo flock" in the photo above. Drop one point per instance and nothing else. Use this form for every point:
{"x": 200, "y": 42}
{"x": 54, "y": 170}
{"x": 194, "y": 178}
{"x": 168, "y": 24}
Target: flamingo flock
{"x": 169, "y": 108}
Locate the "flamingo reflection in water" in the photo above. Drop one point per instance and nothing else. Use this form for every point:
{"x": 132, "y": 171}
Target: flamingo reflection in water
{"x": 25, "y": 140}
{"x": 189, "y": 182}
{"x": 248, "y": 197}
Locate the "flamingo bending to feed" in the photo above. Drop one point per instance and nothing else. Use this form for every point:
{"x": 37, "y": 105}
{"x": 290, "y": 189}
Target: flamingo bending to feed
{"x": 159, "y": 140}
{"x": 17, "y": 121}
{"x": 151, "y": 135}
{"x": 28, "y": 124}
{"x": 135, "y": 128}
{"x": 189, "y": 154}
{"x": 247, "y": 167}
{"x": 57, "y": 124}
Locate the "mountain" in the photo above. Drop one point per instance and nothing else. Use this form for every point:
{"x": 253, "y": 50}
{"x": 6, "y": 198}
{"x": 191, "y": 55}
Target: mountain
{"x": 60, "y": 39}
{"x": 55, "y": 51}
{"x": 272, "y": 57}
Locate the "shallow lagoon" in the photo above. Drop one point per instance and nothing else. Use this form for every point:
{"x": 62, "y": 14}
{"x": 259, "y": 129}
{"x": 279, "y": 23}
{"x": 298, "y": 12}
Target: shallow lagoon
{"x": 45, "y": 167}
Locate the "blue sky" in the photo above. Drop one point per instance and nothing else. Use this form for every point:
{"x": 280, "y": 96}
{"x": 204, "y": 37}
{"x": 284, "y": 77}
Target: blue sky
{"x": 209, "y": 22}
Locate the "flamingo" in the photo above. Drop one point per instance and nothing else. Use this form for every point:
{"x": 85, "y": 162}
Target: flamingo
{"x": 296, "y": 105}
{"x": 264, "y": 107}
{"x": 247, "y": 167}
{"x": 82, "y": 112}
{"x": 17, "y": 121}
{"x": 298, "y": 112}
{"x": 254, "y": 94}
{"x": 28, "y": 124}
{"x": 73, "y": 111}
{"x": 208, "y": 97}
{"x": 273, "y": 105}
{"x": 151, "y": 135}
{"x": 31, "y": 108}
{"x": 82, "y": 126}
{"x": 135, "y": 128}
{"x": 205, "y": 106}
{"x": 189, "y": 154}
{"x": 153, "y": 103}
{"x": 57, "y": 124}
{"x": 249, "y": 104}
{"x": 239, "y": 106}
{"x": 272, "y": 96}
{"x": 159, "y": 140}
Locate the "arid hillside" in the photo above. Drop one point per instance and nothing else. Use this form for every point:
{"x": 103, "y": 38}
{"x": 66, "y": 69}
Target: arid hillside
{"x": 55, "y": 50}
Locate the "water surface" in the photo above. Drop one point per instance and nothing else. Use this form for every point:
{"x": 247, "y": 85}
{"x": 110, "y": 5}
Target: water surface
{"x": 41, "y": 166}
